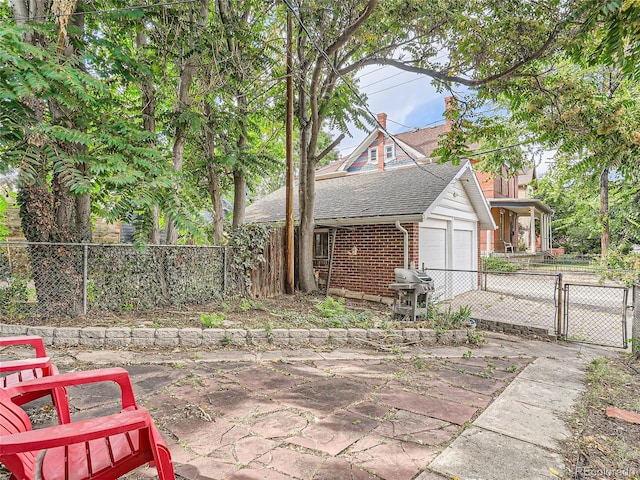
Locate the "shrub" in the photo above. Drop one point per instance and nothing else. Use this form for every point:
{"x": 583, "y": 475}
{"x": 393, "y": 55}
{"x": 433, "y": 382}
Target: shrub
{"x": 496, "y": 264}
{"x": 212, "y": 320}
{"x": 330, "y": 307}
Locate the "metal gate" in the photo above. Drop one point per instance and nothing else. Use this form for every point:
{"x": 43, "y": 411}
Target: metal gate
{"x": 596, "y": 314}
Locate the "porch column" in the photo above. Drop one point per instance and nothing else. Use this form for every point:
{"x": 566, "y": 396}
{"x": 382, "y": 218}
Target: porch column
{"x": 543, "y": 232}
{"x": 532, "y": 230}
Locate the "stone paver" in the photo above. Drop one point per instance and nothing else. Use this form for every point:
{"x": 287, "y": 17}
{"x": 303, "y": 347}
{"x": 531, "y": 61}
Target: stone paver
{"x": 348, "y": 413}
{"x": 334, "y": 433}
{"x": 439, "y": 408}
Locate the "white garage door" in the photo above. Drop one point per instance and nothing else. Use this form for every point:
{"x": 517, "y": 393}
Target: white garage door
{"x": 433, "y": 254}
{"x": 463, "y": 254}
{"x": 433, "y": 247}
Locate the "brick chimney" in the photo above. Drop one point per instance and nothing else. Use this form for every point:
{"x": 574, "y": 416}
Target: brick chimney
{"x": 449, "y": 104}
{"x": 382, "y": 120}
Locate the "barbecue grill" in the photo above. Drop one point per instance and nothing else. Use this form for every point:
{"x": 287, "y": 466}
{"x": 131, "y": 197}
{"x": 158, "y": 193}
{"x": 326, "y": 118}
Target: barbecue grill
{"x": 412, "y": 291}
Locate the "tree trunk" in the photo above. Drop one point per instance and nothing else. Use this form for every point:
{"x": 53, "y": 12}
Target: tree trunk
{"x": 239, "y": 197}
{"x": 149, "y": 125}
{"x": 213, "y": 186}
{"x": 306, "y": 194}
{"x": 604, "y": 213}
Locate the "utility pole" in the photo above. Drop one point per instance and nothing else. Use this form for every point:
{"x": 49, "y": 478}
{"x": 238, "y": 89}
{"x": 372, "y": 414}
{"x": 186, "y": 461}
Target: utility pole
{"x": 289, "y": 250}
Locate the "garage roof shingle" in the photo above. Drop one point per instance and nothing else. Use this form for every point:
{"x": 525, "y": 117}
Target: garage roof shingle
{"x": 392, "y": 193}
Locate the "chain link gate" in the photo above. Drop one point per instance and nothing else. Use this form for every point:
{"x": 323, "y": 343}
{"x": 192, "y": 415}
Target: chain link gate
{"x": 596, "y": 314}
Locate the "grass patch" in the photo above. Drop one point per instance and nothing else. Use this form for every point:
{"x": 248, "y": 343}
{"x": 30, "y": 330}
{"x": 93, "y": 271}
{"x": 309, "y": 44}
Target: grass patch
{"x": 604, "y": 447}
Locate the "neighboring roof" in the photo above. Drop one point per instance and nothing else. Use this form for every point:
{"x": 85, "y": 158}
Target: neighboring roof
{"x": 520, "y": 205}
{"x": 404, "y": 194}
{"x": 425, "y": 140}
{"x": 526, "y": 177}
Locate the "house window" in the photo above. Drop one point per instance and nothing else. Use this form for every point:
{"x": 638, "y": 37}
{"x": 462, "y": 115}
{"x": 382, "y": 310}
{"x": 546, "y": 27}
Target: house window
{"x": 373, "y": 155}
{"x": 321, "y": 245}
{"x": 389, "y": 152}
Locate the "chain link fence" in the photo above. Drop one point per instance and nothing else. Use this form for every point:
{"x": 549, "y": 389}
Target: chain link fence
{"x": 501, "y": 299}
{"x": 66, "y": 280}
{"x": 596, "y": 314}
{"x": 577, "y": 307}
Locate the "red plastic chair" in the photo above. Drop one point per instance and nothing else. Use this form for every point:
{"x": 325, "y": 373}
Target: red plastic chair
{"x": 102, "y": 448}
{"x": 15, "y": 372}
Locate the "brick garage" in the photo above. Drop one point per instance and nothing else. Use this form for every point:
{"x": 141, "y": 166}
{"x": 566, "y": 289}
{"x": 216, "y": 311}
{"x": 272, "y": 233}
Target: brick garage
{"x": 365, "y": 257}
{"x": 441, "y": 206}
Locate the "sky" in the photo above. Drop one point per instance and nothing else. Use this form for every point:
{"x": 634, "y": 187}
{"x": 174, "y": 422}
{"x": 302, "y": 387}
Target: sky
{"x": 408, "y": 99}
{"x": 410, "y": 102}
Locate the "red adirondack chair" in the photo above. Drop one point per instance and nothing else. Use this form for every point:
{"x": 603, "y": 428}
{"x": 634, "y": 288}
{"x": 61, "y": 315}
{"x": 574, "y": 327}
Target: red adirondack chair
{"x": 102, "y": 448}
{"x": 16, "y": 371}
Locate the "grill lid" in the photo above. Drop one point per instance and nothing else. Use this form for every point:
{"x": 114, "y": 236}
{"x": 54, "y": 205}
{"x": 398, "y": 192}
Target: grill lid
{"x": 406, "y": 275}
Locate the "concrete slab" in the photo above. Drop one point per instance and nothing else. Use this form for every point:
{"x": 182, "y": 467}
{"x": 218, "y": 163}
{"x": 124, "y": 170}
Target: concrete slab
{"x": 543, "y": 395}
{"x": 539, "y": 426}
{"x": 562, "y": 373}
{"x": 483, "y": 455}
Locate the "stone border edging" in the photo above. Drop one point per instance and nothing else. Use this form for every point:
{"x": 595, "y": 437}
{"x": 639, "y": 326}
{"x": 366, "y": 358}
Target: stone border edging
{"x": 235, "y": 337}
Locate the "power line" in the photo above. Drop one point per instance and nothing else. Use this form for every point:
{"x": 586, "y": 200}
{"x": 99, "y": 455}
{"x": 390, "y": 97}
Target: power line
{"x": 113, "y": 10}
{"x": 356, "y": 94}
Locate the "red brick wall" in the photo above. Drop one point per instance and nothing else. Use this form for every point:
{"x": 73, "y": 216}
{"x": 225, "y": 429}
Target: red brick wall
{"x": 366, "y": 255}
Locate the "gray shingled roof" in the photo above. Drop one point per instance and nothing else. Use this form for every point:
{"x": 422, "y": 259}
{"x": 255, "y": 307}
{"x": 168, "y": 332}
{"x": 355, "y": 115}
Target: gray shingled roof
{"x": 392, "y": 193}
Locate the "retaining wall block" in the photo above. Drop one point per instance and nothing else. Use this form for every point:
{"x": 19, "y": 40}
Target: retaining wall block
{"x": 13, "y": 330}
{"x": 190, "y": 337}
{"x": 47, "y": 333}
{"x": 67, "y": 336}
{"x": 428, "y": 336}
{"x": 337, "y": 336}
{"x": 318, "y": 336}
{"x": 357, "y": 336}
{"x": 411, "y": 335}
{"x": 118, "y": 336}
{"x": 212, "y": 337}
{"x": 167, "y": 337}
{"x": 236, "y": 337}
{"x": 376, "y": 335}
{"x": 258, "y": 336}
{"x": 143, "y": 336}
{"x": 354, "y": 295}
{"x": 299, "y": 336}
{"x": 93, "y": 336}
{"x": 280, "y": 337}
{"x": 372, "y": 298}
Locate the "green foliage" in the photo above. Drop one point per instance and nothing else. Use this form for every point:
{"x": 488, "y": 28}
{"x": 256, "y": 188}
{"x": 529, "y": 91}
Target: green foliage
{"x": 247, "y": 243}
{"x": 13, "y": 295}
{"x": 212, "y": 320}
{"x": 497, "y": 264}
{"x": 448, "y": 319}
{"x": 330, "y": 307}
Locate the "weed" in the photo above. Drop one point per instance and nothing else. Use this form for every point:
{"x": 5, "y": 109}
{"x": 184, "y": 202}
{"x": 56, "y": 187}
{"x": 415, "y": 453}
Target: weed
{"x": 467, "y": 354}
{"x": 512, "y": 369}
{"x": 330, "y": 307}
{"x": 226, "y": 340}
{"x": 212, "y": 320}
{"x": 474, "y": 338}
{"x": 420, "y": 363}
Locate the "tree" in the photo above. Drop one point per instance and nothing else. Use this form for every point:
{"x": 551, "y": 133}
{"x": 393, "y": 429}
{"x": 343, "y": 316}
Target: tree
{"x": 481, "y": 41}
{"x": 588, "y": 115}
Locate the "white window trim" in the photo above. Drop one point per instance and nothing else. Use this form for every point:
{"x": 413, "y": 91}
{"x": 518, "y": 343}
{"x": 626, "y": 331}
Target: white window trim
{"x": 393, "y": 152}
{"x": 373, "y": 155}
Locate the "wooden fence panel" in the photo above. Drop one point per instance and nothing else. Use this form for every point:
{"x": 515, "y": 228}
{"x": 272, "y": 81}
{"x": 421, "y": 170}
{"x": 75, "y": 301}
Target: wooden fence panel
{"x": 268, "y": 279}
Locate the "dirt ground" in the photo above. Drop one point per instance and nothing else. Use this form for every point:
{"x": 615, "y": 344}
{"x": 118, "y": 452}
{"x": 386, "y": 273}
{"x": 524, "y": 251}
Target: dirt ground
{"x": 603, "y": 447}
{"x": 285, "y": 311}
